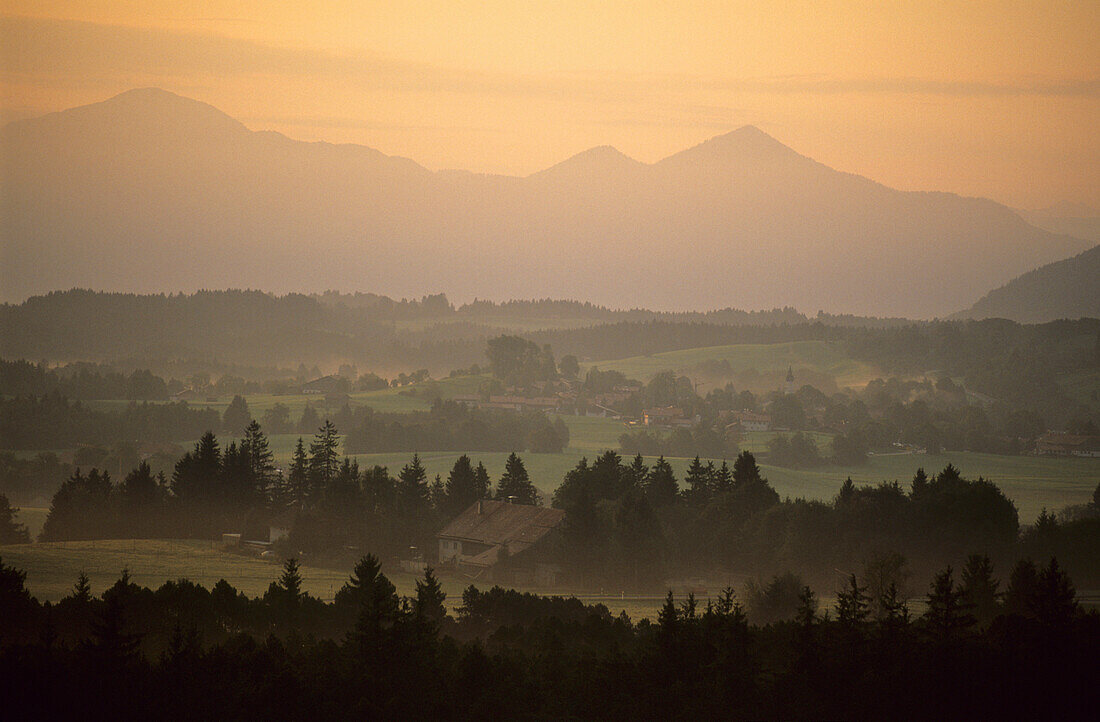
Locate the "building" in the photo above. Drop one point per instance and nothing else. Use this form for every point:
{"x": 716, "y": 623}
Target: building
{"x": 501, "y": 542}
{"x": 788, "y": 384}
{"x": 1055, "y": 443}
{"x": 749, "y": 421}
{"x": 326, "y": 385}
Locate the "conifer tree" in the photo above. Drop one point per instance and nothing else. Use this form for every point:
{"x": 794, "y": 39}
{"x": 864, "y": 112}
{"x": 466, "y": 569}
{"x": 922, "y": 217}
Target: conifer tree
{"x": 462, "y": 487}
{"x": 980, "y": 588}
{"x": 297, "y": 480}
{"x": 324, "y": 460}
{"x": 745, "y": 470}
{"x": 482, "y": 482}
{"x": 515, "y": 483}
{"x": 723, "y": 479}
{"x": 852, "y": 606}
{"x": 413, "y": 495}
{"x": 11, "y": 531}
{"x": 948, "y": 614}
{"x": 261, "y": 461}
{"x": 662, "y": 488}
{"x": 429, "y": 599}
{"x": 698, "y": 480}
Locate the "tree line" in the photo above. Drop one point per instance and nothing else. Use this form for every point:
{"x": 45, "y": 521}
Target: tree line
{"x": 185, "y": 651}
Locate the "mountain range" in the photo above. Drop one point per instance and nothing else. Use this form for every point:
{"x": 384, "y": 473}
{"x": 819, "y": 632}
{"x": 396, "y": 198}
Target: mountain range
{"x": 1064, "y": 289}
{"x": 149, "y": 191}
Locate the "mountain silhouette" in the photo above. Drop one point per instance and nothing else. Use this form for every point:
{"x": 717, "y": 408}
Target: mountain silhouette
{"x": 150, "y": 191}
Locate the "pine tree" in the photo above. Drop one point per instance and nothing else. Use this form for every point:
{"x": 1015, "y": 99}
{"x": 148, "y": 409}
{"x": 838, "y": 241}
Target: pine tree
{"x": 723, "y": 479}
{"x": 482, "y": 482}
{"x": 920, "y": 483}
{"x": 429, "y": 599}
{"x": 324, "y": 459}
{"x": 413, "y": 498}
{"x": 82, "y": 590}
{"x": 698, "y": 480}
{"x": 515, "y": 485}
{"x": 462, "y": 487}
{"x": 745, "y": 470}
{"x": 980, "y": 588}
{"x": 261, "y": 461}
{"x": 438, "y": 494}
{"x": 948, "y": 614}
{"x": 1023, "y": 585}
{"x": 297, "y": 480}
{"x": 637, "y": 473}
{"x": 662, "y": 488}
{"x": 1055, "y": 601}
{"x": 197, "y": 473}
{"x": 846, "y": 494}
{"x": 11, "y": 531}
{"x": 236, "y": 416}
{"x": 290, "y": 581}
{"x": 852, "y": 606}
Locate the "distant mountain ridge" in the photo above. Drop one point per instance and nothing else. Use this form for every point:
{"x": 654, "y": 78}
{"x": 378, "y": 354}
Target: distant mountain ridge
{"x": 150, "y": 191}
{"x": 1064, "y": 289}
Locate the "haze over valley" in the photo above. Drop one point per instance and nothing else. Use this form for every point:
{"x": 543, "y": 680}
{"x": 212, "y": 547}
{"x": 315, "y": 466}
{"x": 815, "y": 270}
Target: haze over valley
{"x": 149, "y": 190}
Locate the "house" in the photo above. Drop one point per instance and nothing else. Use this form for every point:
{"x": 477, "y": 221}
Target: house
{"x": 1056, "y": 443}
{"x": 279, "y": 527}
{"x": 331, "y": 384}
{"x": 501, "y": 542}
{"x": 662, "y": 416}
{"x": 749, "y": 421}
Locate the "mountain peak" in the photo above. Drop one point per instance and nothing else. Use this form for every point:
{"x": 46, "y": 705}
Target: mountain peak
{"x": 144, "y": 109}
{"x": 600, "y": 158}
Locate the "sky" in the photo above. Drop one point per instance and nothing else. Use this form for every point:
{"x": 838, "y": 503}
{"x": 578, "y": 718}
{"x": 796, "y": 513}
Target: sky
{"x": 994, "y": 99}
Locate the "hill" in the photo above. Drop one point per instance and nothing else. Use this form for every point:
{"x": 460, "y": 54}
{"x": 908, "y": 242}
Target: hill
{"x": 150, "y": 190}
{"x": 1064, "y": 289}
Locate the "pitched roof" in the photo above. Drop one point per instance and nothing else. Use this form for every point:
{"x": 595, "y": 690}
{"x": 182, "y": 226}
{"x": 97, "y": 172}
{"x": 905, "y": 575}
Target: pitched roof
{"x": 516, "y": 526}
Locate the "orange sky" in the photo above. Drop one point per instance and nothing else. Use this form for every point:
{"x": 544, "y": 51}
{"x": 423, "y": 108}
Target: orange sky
{"x": 998, "y": 99}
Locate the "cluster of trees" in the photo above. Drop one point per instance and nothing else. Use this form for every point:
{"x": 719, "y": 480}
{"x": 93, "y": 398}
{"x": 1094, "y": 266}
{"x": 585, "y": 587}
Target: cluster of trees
{"x": 629, "y": 525}
{"x": 12, "y": 531}
{"x": 185, "y": 651}
{"x": 334, "y": 504}
{"x": 452, "y": 426}
{"x": 29, "y": 479}
{"x": 79, "y": 381}
{"x": 55, "y": 422}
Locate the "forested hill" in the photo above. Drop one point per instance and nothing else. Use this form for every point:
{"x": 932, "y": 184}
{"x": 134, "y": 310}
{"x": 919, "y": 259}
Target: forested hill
{"x": 259, "y": 329}
{"x": 1064, "y": 289}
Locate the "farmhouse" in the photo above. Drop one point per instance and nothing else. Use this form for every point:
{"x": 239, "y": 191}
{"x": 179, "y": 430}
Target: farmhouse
{"x": 663, "y": 416}
{"x": 1060, "y": 444}
{"x": 325, "y": 385}
{"x": 501, "y": 542}
{"x": 748, "y": 421}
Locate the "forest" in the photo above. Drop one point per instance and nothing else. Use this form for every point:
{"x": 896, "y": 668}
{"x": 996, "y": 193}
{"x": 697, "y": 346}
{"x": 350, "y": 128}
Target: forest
{"x": 183, "y": 651}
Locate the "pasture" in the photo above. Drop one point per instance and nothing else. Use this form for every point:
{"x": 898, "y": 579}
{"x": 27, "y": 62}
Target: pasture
{"x": 821, "y": 358}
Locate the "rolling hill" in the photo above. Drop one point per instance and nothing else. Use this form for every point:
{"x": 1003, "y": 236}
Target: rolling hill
{"x": 150, "y": 191}
{"x": 1064, "y": 289}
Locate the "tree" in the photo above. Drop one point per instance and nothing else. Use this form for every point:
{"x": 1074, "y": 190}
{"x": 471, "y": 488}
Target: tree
{"x": 324, "y": 461}
{"x": 515, "y": 485}
{"x": 297, "y": 492}
{"x": 852, "y": 606}
{"x": 745, "y": 470}
{"x": 662, "y": 488}
{"x": 1055, "y": 601}
{"x": 569, "y": 366}
{"x": 236, "y": 416}
{"x": 698, "y": 483}
{"x": 462, "y": 487}
{"x": 980, "y": 588}
{"x": 1023, "y": 586}
{"x": 482, "y": 481}
{"x": 261, "y": 462}
{"x": 723, "y": 479}
{"x": 11, "y": 531}
{"x": 637, "y": 474}
{"x": 948, "y": 614}
{"x": 429, "y": 599}
{"x": 413, "y": 496}
{"x": 197, "y": 473}
{"x": 82, "y": 590}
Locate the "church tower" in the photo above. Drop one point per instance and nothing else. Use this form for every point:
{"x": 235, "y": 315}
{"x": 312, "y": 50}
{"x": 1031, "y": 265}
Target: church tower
{"x": 788, "y": 387}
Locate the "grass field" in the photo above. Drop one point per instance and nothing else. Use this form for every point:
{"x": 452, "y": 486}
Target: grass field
{"x": 820, "y": 356}
{"x": 52, "y": 569}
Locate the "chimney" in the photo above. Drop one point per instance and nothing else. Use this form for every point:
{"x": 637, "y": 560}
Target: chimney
{"x": 479, "y": 506}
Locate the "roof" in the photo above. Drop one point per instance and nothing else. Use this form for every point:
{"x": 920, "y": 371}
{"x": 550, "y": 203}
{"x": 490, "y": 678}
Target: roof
{"x": 516, "y": 526}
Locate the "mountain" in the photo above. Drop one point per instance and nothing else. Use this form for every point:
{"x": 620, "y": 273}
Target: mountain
{"x": 1071, "y": 219}
{"x": 151, "y": 191}
{"x": 1064, "y": 289}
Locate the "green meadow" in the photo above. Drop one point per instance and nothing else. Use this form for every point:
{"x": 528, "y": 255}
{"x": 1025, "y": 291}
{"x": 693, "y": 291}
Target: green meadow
{"x": 822, "y": 357}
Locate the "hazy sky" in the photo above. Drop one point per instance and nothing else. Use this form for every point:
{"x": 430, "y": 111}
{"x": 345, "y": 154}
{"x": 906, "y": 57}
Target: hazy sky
{"x": 998, "y": 99}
